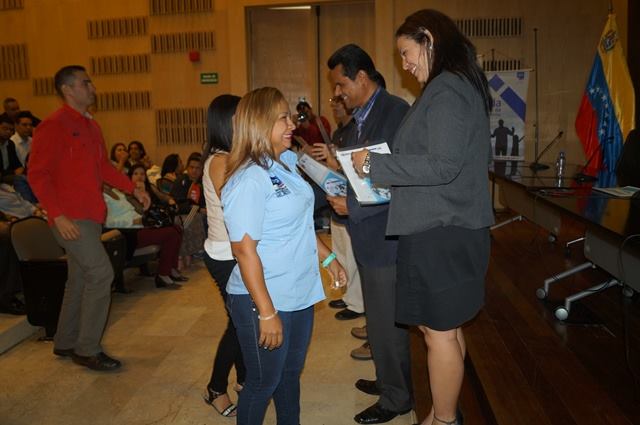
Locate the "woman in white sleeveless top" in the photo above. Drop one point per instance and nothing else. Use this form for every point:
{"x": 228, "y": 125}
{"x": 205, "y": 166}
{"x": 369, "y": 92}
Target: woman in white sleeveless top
{"x": 218, "y": 258}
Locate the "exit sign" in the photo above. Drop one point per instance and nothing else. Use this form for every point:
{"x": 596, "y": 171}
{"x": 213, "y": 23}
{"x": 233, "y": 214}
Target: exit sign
{"x": 209, "y": 78}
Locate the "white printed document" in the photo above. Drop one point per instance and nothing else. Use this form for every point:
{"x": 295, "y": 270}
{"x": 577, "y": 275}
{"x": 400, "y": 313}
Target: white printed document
{"x": 618, "y": 192}
{"x": 366, "y": 192}
{"x": 333, "y": 183}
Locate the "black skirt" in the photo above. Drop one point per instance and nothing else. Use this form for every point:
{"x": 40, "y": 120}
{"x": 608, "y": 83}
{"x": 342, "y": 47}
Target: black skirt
{"x": 441, "y": 274}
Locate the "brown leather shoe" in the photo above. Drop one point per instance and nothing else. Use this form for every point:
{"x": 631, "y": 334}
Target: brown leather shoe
{"x": 362, "y": 353}
{"x": 359, "y": 332}
{"x": 100, "y": 362}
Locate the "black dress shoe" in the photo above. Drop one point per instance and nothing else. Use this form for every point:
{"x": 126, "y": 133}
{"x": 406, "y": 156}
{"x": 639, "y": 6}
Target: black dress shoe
{"x": 367, "y": 386}
{"x": 337, "y": 304}
{"x": 13, "y": 306}
{"x": 347, "y": 314}
{"x": 100, "y": 362}
{"x": 376, "y": 414}
{"x": 63, "y": 352}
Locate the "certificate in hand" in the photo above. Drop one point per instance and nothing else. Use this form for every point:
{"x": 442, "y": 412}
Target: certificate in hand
{"x": 334, "y": 184}
{"x": 366, "y": 192}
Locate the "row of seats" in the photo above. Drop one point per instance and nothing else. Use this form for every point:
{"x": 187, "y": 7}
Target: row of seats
{"x": 43, "y": 267}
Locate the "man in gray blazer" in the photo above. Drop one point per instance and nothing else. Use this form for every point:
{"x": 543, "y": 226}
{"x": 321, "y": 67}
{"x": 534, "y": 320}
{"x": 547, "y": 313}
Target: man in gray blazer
{"x": 377, "y": 115}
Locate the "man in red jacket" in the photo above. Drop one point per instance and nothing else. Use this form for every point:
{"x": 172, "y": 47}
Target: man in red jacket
{"x": 67, "y": 168}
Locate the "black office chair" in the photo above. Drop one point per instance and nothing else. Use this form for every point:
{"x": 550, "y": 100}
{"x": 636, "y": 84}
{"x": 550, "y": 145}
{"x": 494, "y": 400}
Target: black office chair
{"x": 627, "y": 171}
{"x": 43, "y": 269}
{"x": 628, "y": 166}
{"x": 605, "y": 247}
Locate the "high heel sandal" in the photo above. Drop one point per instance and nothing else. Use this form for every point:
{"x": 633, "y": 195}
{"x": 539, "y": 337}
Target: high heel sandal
{"x": 211, "y": 395}
{"x": 459, "y": 420}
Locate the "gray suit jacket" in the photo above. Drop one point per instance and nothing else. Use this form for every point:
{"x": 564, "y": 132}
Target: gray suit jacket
{"x": 439, "y": 162}
{"x": 367, "y": 223}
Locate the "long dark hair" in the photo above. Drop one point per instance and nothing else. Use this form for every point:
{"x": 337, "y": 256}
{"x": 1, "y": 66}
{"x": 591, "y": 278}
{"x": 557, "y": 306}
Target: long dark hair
{"x": 170, "y": 164}
{"x": 113, "y": 151}
{"x": 220, "y": 124}
{"x": 140, "y": 146}
{"x": 453, "y": 51}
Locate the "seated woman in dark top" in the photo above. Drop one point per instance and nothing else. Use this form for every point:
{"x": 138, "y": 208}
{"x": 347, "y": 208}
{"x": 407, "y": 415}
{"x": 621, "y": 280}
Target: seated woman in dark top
{"x": 187, "y": 192}
{"x": 172, "y": 168}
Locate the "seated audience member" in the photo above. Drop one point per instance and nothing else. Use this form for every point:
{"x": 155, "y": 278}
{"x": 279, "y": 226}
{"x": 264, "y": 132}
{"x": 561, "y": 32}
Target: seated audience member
{"x": 123, "y": 215}
{"x": 187, "y": 192}
{"x": 138, "y": 176}
{"x": 22, "y": 136}
{"x": 22, "y": 186}
{"x": 14, "y": 206}
{"x": 12, "y": 109}
{"x": 10, "y": 282}
{"x": 120, "y": 157}
{"x": 10, "y": 164}
{"x": 137, "y": 153}
{"x": 172, "y": 167}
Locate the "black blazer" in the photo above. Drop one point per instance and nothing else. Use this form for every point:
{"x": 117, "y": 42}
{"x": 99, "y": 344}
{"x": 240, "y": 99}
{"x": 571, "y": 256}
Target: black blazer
{"x": 367, "y": 224}
{"x": 14, "y": 161}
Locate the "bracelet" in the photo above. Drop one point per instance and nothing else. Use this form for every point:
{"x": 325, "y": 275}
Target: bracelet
{"x": 271, "y": 316}
{"x": 328, "y": 260}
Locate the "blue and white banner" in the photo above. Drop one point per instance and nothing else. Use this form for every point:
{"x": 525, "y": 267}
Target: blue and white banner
{"x": 509, "y": 92}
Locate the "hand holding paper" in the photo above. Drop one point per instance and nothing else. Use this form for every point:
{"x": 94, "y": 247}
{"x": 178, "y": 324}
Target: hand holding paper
{"x": 357, "y": 158}
{"x": 366, "y": 192}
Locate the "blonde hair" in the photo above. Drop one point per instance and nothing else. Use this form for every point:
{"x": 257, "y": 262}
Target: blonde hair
{"x": 253, "y": 121}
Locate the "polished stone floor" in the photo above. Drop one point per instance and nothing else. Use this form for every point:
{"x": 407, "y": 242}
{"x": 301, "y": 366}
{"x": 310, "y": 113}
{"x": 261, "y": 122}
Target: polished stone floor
{"x": 166, "y": 340}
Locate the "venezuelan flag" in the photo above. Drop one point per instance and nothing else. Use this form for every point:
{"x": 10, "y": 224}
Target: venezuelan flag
{"x": 607, "y": 109}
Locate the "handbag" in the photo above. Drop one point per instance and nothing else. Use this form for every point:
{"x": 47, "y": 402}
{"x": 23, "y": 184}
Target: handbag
{"x": 159, "y": 216}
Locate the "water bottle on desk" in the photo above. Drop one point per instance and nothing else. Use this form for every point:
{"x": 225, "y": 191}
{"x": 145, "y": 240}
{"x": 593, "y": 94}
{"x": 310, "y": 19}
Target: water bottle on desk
{"x": 560, "y": 164}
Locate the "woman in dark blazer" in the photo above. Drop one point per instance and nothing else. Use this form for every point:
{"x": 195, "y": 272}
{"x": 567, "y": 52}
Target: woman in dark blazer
{"x": 440, "y": 204}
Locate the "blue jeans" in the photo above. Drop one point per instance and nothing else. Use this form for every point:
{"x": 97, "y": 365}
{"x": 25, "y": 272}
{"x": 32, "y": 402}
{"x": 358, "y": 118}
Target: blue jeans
{"x": 270, "y": 373}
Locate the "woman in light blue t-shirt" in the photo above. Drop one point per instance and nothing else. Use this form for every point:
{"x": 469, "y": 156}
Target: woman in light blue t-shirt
{"x": 268, "y": 211}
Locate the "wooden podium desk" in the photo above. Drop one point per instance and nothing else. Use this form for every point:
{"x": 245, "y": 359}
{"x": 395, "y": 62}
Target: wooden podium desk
{"x": 611, "y": 223}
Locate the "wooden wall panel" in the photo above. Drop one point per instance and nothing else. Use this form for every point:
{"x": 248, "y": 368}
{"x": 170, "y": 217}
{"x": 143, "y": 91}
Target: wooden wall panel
{"x": 178, "y": 7}
{"x": 277, "y": 56}
{"x": 342, "y": 24}
{"x": 14, "y": 64}
{"x": 11, "y": 4}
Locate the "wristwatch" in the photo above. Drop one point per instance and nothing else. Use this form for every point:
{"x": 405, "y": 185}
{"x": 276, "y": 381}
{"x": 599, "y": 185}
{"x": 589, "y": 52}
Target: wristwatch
{"x": 366, "y": 164}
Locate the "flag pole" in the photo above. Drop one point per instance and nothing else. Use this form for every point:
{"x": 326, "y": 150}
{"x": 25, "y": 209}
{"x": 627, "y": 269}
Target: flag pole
{"x": 610, "y": 7}
{"x": 537, "y": 71}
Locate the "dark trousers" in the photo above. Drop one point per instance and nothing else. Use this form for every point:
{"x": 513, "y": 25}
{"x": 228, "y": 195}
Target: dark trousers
{"x": 228, "y": 353}
{"x": 270, "y": 373}
{"x": 169, "y": 238}
{"x": 389, "y": 341}
{"x": 87, "y": 294}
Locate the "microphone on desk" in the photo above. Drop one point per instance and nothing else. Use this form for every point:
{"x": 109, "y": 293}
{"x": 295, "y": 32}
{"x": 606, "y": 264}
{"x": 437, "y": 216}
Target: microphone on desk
{"x": 537, "y": 166}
